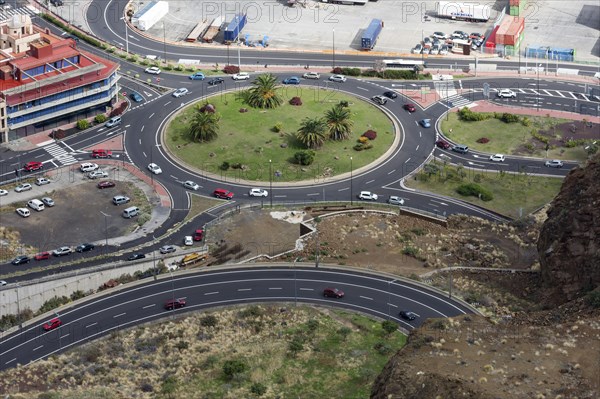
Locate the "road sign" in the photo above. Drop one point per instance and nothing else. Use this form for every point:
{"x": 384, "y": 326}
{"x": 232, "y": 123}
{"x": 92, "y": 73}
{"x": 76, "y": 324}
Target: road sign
{"x": 486, "y": 89}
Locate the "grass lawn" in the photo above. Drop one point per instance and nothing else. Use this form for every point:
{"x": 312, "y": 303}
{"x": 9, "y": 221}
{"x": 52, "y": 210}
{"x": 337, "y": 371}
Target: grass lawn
{"x": 511, "y": 191}
{"x": 248, "y": 138}
{"x": 506, "y": 138}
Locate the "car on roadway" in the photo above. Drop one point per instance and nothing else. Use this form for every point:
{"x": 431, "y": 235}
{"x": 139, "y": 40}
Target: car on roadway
{"x": 136, "y": 256}
{"x": 88, "y": 167}
{"x": 367, "y": 196}
{"x": 40, "y": 181}
{"x": 31, "y": 166}
{"x": 311, "y": 75}
{"x": 198, "y": 235}
{"x": 52, "y": 324}
{"x": 390, "y": 94}
{"x": 197, "y": 76}
{"x": 292, "y": 80}
{"x": 120, "y": 199}
{"x": 180, "y": 92}
{"x": 337, "y": 78}
{"x": 114, "y": 121}
{"x": 24, "y": 212}
{"x": 417, "y": 49}
{"x": 188, "y": 240}
{"x": 410, "y": 107}
{"x": 3, "y": 283}
{"x": 506, "y": 93}
{"x": 85, "y": 247}
{"x": 381, "y": 100}
{"x": 23, "y": 187}
{"x": 97, "y": 173}
{"x": 258, "y": 192}
{"x": 101, "y": 154}
{"x": 394, "y": 200}
{"x": 3, "y": 193}
{"x": 331, "y": 292}
{"x": 167, "y": 249}
{"x": 62, "y": 251}
{"x": 48, "y": 201}
{"x": 443, "y": 144}
{"x": 223, "y": 194}
{"x": 106, "y": 184}
{"x": 190, "y": 185}
{"x": 154, "y": 70}
{"x": 407, "y": 315}
{"x": 555, "y": 163}
{"x": 497, "y": 158}
{"x": 21, "y": 259}
{"x": 42, "y": 255}
{"x": 135, "y": 96}
{"x": 460, "y": 148}
{"x": 241, "y": 76}
{"x": 215, "y": 81}
{"x": 175, "y": 303}
{"x": 425, "y": 123}
{"x": 154, "y": 168}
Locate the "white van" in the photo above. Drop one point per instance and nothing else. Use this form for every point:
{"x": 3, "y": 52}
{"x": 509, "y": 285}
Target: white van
{"x": 36, "y": 204}
{"x": 131, "y": 212}
{"x": 114, "y": 121}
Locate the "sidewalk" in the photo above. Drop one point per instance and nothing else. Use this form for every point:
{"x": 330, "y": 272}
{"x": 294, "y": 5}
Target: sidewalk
{"x": 486, "y": 106}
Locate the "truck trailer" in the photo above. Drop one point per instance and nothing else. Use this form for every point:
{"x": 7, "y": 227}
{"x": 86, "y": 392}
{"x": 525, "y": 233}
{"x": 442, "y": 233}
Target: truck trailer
{"x": 370, "y": 35}
{"x": 233, "y": 30}
{"x": 145, "y": 18}
{"x": 213, "y": 29}
{"x": 473, "y": 12}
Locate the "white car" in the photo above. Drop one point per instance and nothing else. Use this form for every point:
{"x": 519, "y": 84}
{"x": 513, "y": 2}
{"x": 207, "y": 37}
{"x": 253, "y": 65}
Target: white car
{"x": 154, "y": 168}
{"x": 88, "y": 167}
{"x": 97, "y": 173}
{"x": 3, "y": 193}
{"x": 187, "y": 240}
{"x": 311, "y": 75}
{"x": 152, "y": 70}
{"x": 23, "y": 187}
{"x": 439, "y": 35}
{"x": 191, "y": 185}
{"x": 443, "y": 49}
{"x": 555, "y": 163}
{"x": 497, "y": 158}
{"x": 48, "y": 201}
{"x": 3, "y": 283}
{"x": 180, "y": 92}
{"x": 337, "y": 78}
{"x": 394, "y": 200}
{"x": 381, "y": 100}
{"x": 40, "y": 181}
{"x": 367, "y": 196}
{"x": 23, "y": 212}
{"x": 62, "y": 251}
{"x": 258, "y": 192}
{"x": 506, "y": 93}
{"x": 241, "y": 76}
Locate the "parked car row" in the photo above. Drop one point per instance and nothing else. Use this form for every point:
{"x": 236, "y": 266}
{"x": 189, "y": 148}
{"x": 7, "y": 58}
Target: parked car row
{"x": 369, "y": 196}
{"x": 441, "y": 43}
{"x": 58, "y": 252}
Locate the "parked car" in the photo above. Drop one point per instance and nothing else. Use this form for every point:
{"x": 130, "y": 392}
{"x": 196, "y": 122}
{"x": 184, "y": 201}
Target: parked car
{"x": 180, "y": 92}
{"x": 3, "y": 283}
{"x": 36, "y": 204}
{"x": 425, "y": 50}
{"x": 555, "y": 163}
{"x": 258, "y": 192}
{"x": 427, "y": 42}
{"x": 337, "y": 78}
{"x": 311, "y": 75}
{"x": 390, "y": 94}
{"x": 425, "y": 123}
{"x": 443, "y": 49}
{"x": 52, "y": 324}
{"x": 435, "y": 49}
{"x": 367, "y": 196}
{"x": 497, "y": 158}
{"x": 215, "y": 81}
{"x": 443, "y": 144}
{"x": 40, "y": 181}
{"x": 23, "y": 187}
{"x": 31, "y": 166}
{"x": 406, "y": 315}
{"x": 48, "y": 201}
{"x": 460, "y": 148}
{"x": 506, "y": 93}
{"x": 24, "y": 212}
{"x": 101, "y": 154}
{"x": 439, "y": 35}
{"x": 136, "y": 256}
{"x": 197, "y": 76}
{"x": 88, "y": 167}
{"x": 417, "y": 49}
{"x": 191, "y": 185}
{"x": 381, "y": 100}
{"x": 21, "y": 259}
{"x": 241, "y": 76}
{"x": 154, "y": 168}
{"x": 198, "y": 235}
{"x": 333, "y": 293}
{"x": 106, "y": 184}
{"x": 61, "y": 251}
{"x": 120, "y": 199}
{"x": 293, "y": 80}
{"x": 42, "y": 255}
{"x": 85, "y": 247}
{"x": 394, "y": 200}
{"x": 410, "y": 107}
{"x": 154, "y": 70}
{"x": 174, "y": 303}
{"x": 223, "y": 194}
{"x": 188, "y": 240}
{"x": 3, "y": 193}
{"x": 167, "y": 249}
{"x": 135, "y": 96}
{"x": 97, "y": 173}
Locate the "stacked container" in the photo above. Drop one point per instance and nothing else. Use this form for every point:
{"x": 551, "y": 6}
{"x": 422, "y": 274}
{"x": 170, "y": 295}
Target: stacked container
{"x": 517, "y": 7}
{"x": 510, "y": 34}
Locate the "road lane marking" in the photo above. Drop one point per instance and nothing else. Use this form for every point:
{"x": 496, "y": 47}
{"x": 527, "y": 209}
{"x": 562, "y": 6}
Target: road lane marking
{"x": 39, "y": 347}
{"x": 151, "y": 115}
{"x": 391, "y": 304}
{"x": 306, "y": 289}
{"x": 370, "y": 181}
{"x": 64, "y": 336}
{"x": 149, "y": 306}
{"x": 407, "y": 160}
{"x": 212, "y": 293}
{"x": 119, "y": 315}
{"x": 389, "y": 173}
{"x": 362, "y": 88}
{"x": 90, "y": 325}
{"x": 439, "y": 202}
{"x": 142, "y": 129}
{"x": 10, "y": 361}
{"x": 344, "y": 189}
{"x": 244, "y": 289}
{"x": 313, "y": 194}
{"x": 275, "y": 288}
{"x": 417, "y": 149}
{"x": 547, "y": 92}
{"x": 279, "y": 196}
{"x": 167, "y": 103}
{"x": 366, "y": 297}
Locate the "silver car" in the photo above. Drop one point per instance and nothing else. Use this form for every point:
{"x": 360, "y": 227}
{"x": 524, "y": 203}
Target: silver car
{"x": 48, "y": 201}
{"x": 394, "y": 200}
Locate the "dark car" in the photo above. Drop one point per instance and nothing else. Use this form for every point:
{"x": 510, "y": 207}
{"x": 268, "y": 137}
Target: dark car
{"x": 106, "y": 184}
{"x": 174, "y": 303}
{"x": 460, "y": 148}
{"x": 406, "y": 315}
{"x": 333, "y": 293}
{"x": 215, "y": 81}
{"x": 19, "y": 260}
{"x": 390, "y": 94}
{"x": 443, "y": 144}
{"x": 135, "y": 96}
{"x": 410, "y": 107}
{"x": 85, "y": 247}
{"x": 136, "y": 256}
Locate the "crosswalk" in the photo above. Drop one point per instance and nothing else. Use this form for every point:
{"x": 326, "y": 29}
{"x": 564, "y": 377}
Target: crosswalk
{"x": 60, "y": 154}
{"x": 6, "y": 12}
{"x": 545, "y": 92}
{"x": 447, "y": 92}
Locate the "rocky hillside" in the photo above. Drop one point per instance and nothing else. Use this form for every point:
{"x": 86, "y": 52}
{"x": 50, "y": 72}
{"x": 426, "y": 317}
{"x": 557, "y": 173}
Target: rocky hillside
{"x": 569, "y": 242}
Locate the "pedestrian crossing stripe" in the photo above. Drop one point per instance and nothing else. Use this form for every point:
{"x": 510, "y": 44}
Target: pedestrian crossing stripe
{"x": 60, "y": 154}
{"x": 5, "y": 15}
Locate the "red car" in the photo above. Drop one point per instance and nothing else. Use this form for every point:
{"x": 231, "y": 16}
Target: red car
{"x": 198, "y": 235}
{"x": 106, "y": 184}
{"x": 101, "y": 154}
{"x": 410, "y": 107}
{"x": 223, "y": 194}
{"x": 52, "y": 324}
{"x": 31, "y": 166}
{"x": 333, "y": 293}
{"x": 42, "y": 256}
{"x": 175, "y": 303}
{"x": 443, "y": 144}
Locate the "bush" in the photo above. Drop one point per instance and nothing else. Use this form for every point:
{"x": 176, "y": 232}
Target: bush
{"x": 77, "y": 295}
{"x": 278, "y": 127}
{"x": 362, "y": 139}
{"x": 231, "y": 69}
{"x": 525, "y": 121}
{"x": 258, "y": 389}
{"x": 474, "y": 190}
{"x": 209, "y": 321}
{"x": 389, "y": 326}
{"x": 168, "y": 67}
{"x": 371, "y": 73}
{"x": 483, "y": 140}
{"x": 370, "y": 134}
{"x": 431, "y": 169}
{"x": 351, "y": 71}
{"x": 343, "y": 104}
{"x": 82, "y": 124}
{"x": 398, "y": 74}
{"x": 243, "y": 110}
{"x": 208, "y": 108}
{"x": 509, "y": 118}
{"x": 410, "y": 251}
{"x": 382, "y": 348}
{"x": 305, "y": 157}
{"x": 100, "y": 118}
{"x": 233, "y": 367}
{"x": 224, "y": 165}
{"x": 337, "y": 70}
{"x": 179, "y": 67}
{"x": 53, "y": 303}
{"x": 296, "y": 101}
{"x": 358, "y": 147}
{"x": 593, "y": 299}
{"x": 466, "y": 114}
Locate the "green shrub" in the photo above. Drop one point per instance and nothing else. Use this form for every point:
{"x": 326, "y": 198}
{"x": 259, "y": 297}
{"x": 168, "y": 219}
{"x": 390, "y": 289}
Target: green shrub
{"x": 82, "y": 124}
{"x": 371, "y": 73}
{"x": 466, "y": 114}
{"x": 224, "y": 165}
{"x": 389, "y": 326}
{"x": 100, "y": 118}
{"x": 179, "y": 67}
{"x": 168, "y": 67}
{"x": 410, "y": 251}
{"x": 382, "y": 348}
{"x": 474, "y": 190}
{"x": 593, "y": 299}
{"x": 77, "y": 295}
{"x": 209, "y": 321}
{"x": 398, "y": 74}
{"x": 278, "y": 127}
{"x": 258, "y": 389}
{"x": 351, "y": 71}
{"x": 233, "y": 367}
{"x": 509, "y": 118}
{"x": 53, "y": 303}
{"x": 305, "y": 157}
{"x": 525, "y": 121}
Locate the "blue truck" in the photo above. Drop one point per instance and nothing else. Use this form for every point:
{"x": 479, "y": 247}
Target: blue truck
{"x": 233, "y": 30}
{"x": 370, "y": 35}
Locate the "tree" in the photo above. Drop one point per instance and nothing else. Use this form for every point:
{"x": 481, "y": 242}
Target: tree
{"x": 339, "y": 123}
{"x": 233, "y": 367}
{"x": 264, "y": 93}
{"x": 204, "y": 126}
{"x": 344, "y": 332}
{"x": 389, "y": 326}
{"x": 312, "y": 132}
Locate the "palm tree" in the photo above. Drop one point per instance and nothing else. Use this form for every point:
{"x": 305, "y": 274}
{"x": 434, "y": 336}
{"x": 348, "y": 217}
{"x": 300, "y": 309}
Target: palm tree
{"x": 264, "y": 94}
{"x": 204, "y": 126}
{"x": 339, "y": 123}
{"x": 312, "y": 132}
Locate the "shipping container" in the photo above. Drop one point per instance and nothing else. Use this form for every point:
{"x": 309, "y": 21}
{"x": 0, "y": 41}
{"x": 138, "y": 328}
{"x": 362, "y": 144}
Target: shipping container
{"x": 233, "y": 30}
{"x": 213, "y": 29}
{"x": 509, "y": 30}
{"x": 537, "y": 52}
{"x": 145, "y": 18}
{"x": 370, "y": 35}
{"x": 475, "y": 12}
{"x": 561, "y": 54}
{"x": 518, "y": 10}
{"x": 490, "y": 42}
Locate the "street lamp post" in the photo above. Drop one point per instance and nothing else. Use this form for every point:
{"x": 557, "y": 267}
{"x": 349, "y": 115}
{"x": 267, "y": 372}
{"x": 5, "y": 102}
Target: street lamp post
{"x": 164, "y": 43}
{"x": 105, "y": 231}
{"x": 351, "y": 196}
{"x": 390, "y": 298}
{"x": 295, "y": 284}
{"x": 173, "y": 291}
{"x": 18, "y": 307}
{"x": 333, "y": 60}
{"x": 271, "y": 182}
{"x": 154, "y": 257}
{"x": 538, "y": 87}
